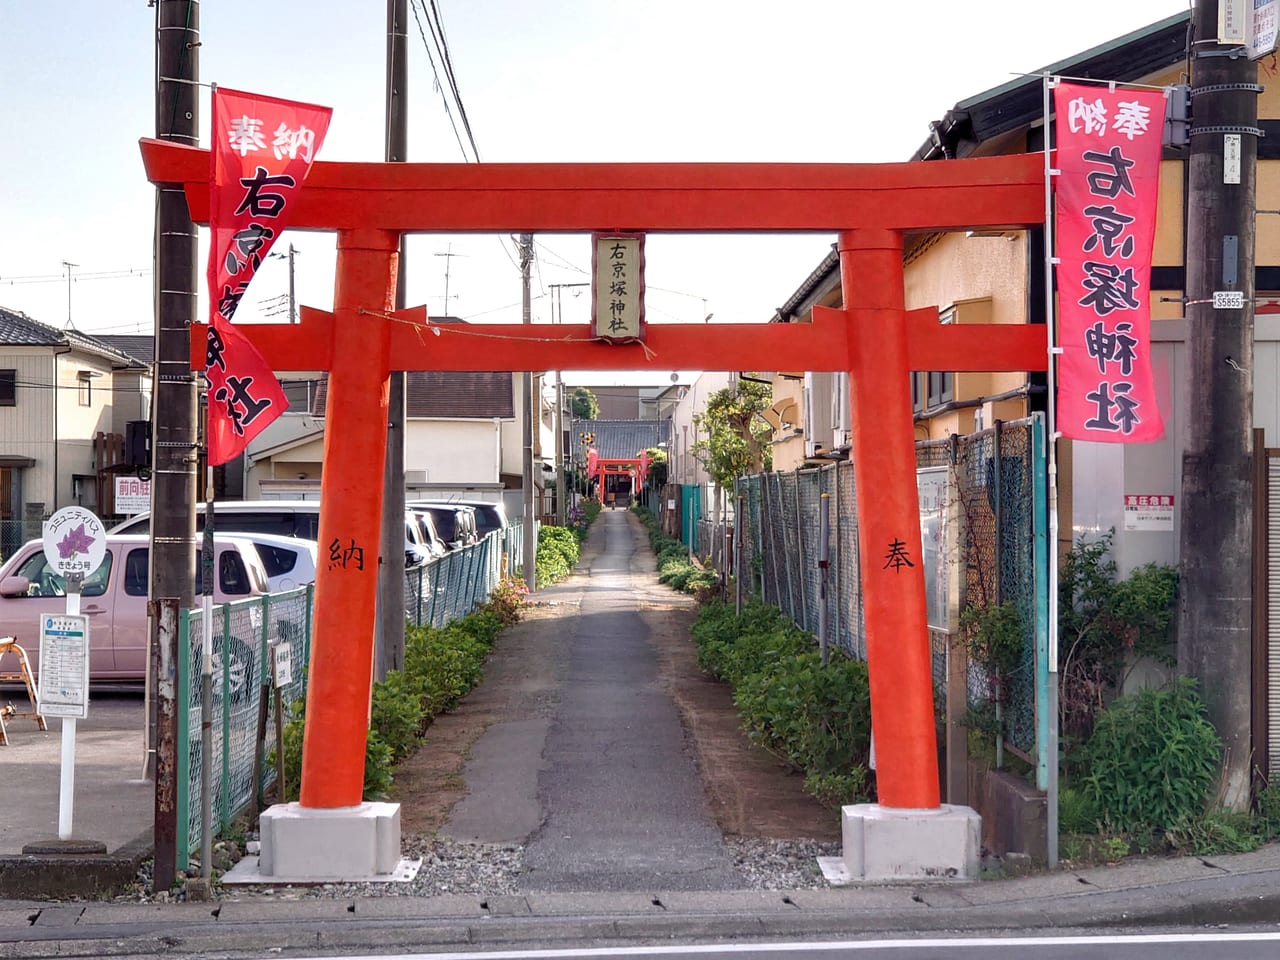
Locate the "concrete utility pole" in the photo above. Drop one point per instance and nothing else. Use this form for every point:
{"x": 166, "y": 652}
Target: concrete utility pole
{"x": 529, "y": 423}
{"x": 174, "y": 397}
{"x": 391, "y": 612}
{"x": 1216, "y": 557}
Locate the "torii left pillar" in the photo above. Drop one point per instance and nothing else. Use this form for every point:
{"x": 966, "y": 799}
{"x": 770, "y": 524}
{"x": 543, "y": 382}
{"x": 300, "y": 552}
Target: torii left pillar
{"x": 332, "y": 831}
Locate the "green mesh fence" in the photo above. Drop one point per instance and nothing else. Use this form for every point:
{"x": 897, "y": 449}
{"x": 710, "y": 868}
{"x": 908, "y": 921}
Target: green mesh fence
{"x": 436, "y": 593}
{"x": 993, "y": 527}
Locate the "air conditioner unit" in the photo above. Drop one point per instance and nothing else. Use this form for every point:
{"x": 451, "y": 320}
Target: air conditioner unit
{"x": 840, "y": 439}
{"x": 812, "y": 448}
{"x": 415, "y": 476}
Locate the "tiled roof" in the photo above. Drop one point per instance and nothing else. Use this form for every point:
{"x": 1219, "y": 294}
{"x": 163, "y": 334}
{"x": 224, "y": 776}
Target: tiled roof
{"x": 619, "y": 439}
{"x": 448, "y": 394}
{"x": 19, "y": 330}
{"x": 142, "y": 347}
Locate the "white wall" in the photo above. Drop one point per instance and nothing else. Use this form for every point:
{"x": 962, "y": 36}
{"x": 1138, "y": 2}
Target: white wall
{"x": 453, "y": 451}
{"x": 1103, "y": 473}
{"x": 683, "y": 466}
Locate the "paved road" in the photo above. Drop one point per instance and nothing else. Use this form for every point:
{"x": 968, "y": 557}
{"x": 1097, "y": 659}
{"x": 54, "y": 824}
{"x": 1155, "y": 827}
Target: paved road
{"x": 1237, "y": 946}
{"x": 612, "y": 800}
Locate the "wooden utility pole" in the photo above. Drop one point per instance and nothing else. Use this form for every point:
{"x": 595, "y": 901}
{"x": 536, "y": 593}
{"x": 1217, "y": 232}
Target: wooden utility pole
{"x": 174, "y": 397}
{"x": 391, "y": 574}
{"x": 1216, "y": 562}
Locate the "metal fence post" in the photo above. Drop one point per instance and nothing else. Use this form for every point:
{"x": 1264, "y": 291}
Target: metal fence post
{"x": 738, "y": 521}
{"x": 224, "y": 798}
{"x": 840, "y": 558}
{"x": 824, "y": 561}
{"x": 800, "y": 564}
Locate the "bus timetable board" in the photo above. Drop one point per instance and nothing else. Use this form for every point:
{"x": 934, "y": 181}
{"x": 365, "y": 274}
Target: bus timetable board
{"x": 64, "y": 666}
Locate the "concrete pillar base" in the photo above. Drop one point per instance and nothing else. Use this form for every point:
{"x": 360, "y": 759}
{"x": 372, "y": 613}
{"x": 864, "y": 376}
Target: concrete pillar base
{"x": 329, "y": 844}
{"x": 884, "y": 844}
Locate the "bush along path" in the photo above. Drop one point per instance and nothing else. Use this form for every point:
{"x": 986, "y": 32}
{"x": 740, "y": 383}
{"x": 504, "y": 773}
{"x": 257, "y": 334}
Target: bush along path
{"x": 675, "y": 569}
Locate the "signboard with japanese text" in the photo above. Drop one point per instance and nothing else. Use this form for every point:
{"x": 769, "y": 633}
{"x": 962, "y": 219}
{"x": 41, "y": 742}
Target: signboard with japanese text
{"x": 63, "y": 685}
{"x": 617, "y": 309}
{"x": 262, "y": 151}
{"x": 282, "y": 658}
{"x": 1109, "y": 146}
{"x": 1148, "y": 511}
{"x": 74, "y": 541}
{"x": 132, "y": 496}
{"x": 1264, "y": 28}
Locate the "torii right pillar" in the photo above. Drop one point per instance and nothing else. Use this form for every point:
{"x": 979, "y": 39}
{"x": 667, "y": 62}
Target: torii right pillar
{"x": 908, "y": 834}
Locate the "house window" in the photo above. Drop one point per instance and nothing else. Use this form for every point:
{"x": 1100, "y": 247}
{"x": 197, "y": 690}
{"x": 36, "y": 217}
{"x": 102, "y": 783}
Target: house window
{"x": 85, "y": 381}
{"x": 300, "y": 394}
{"x": 8, "y": 388}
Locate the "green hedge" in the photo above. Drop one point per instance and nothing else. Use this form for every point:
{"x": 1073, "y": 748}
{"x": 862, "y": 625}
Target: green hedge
{"x": 442, "y": 664}
{"x": 816, "y": 718}
{"x": 675, "y": 569}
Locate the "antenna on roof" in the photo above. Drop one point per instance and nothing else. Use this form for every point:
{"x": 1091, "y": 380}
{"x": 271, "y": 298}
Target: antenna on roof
{"x": 68, "y": 264}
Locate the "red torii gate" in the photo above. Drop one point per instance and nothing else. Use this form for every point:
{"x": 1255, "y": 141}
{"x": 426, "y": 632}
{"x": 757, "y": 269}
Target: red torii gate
{"x": 874, "y": 338}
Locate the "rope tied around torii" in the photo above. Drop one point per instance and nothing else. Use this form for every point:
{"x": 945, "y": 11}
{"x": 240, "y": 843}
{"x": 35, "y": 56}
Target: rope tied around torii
{"x": 437, "y": 328}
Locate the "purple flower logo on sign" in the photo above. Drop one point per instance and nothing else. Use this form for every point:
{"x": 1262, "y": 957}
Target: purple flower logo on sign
{"x": 77, "y": 540}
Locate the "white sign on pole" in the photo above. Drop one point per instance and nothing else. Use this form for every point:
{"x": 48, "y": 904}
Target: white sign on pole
{"x": 63, "y": 688}
{"x": 284, "y": 663}
{"x": 1228, "y": 300}
{"x": 1264, "y": 28}
{"x": 74, "y": 541}
{"x": 1148, "y": 511}
{"x": 1231, "y": 158}
{"x": 1234, "y": 17}
{"x": 133, "y": 496}
{"x": 933, "y": 489}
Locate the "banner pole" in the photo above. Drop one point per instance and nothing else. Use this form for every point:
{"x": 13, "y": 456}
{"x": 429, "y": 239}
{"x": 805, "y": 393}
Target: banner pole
{"x": 1051, "y": 448}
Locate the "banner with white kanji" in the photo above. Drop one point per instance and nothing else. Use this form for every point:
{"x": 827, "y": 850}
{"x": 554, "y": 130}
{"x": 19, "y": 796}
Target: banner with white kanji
{"x": 1108, "y": 155}
{"x": 262, "y": 151}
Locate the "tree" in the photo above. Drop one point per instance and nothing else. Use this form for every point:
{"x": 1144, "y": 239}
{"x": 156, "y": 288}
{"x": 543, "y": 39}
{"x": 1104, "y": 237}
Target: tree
{"x": 657, "y": 467}
{"x": 584, "y": 404}
{"x": 736, "y": 437}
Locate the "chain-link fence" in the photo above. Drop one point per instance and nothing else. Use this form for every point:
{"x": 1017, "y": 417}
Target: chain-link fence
{"x": 244, "y": 633}
{"x": 992, "y": 523}
{"x": 15, "y": 533}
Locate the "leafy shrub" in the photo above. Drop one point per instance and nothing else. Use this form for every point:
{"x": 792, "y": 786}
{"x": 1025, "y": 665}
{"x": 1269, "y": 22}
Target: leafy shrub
{"x": 396, "y": 713}
{"x": 558, "y": 553}
{"x": 508, "y": 601}
{"x": 378, "y": 759}
{"x": 1152, "y": 759}
{"x": 1102, "y": 621}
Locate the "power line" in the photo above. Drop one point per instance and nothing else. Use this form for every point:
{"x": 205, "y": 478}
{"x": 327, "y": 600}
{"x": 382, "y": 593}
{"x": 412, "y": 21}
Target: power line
{"x": 62, "y": 277}
{"x": 441, "y": 87}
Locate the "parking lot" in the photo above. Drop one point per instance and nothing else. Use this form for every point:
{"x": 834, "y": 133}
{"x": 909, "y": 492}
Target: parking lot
{"x": 114, "y": 804}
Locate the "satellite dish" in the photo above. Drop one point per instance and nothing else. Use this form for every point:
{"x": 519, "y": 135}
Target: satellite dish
{"x": 675, "y": 377}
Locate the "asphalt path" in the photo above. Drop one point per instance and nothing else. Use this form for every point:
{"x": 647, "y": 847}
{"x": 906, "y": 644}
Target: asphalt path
{"x": 604, "y": 793}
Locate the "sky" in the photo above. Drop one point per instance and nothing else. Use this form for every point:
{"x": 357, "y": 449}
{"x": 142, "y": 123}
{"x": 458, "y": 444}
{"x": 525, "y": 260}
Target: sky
{"x": 696, "y": 80}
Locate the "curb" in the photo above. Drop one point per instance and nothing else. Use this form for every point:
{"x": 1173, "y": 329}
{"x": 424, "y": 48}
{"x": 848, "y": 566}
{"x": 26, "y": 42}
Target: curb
{"x": 57, "y": 876}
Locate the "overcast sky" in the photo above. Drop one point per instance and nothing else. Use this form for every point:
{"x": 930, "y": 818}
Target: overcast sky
{"x": 558, "y": 80}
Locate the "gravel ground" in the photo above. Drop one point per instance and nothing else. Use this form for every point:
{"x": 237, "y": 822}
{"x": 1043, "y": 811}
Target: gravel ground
{"x": 490, "y": 869}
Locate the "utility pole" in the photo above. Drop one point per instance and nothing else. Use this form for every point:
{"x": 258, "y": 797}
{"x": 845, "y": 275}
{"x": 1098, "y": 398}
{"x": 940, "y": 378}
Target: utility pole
{"x": 448, "y": 263}
{"x": 389, "y": 654}
{"x": 526, "y": 389}
{"x": 562, "y": 490}
{"x": 174, "y": 457}
{"x": 1216, "y": 557}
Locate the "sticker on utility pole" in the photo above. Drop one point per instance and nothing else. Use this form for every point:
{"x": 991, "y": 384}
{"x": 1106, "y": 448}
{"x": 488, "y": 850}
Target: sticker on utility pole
{"x": 1228, "y": 300}
{"x": 1231, "y": 158}
{"x": 1233, "y": 20}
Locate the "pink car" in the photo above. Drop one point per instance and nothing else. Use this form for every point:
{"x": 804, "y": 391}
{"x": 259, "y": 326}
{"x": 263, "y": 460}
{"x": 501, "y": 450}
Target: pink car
{"x": 114, "y": 598}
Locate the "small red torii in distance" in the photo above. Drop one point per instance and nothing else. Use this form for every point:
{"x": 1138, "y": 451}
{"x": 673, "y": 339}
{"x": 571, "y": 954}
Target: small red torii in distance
{"x": 874, "y": 338}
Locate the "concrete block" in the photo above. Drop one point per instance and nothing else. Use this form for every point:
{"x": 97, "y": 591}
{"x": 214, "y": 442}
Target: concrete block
{"x": 329, "y": 844}
{"x": 882, "y": 844}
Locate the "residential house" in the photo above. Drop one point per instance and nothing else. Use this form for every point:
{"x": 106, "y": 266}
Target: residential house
{"x": 999, "y": 276}
{"x": 59, "y": 390}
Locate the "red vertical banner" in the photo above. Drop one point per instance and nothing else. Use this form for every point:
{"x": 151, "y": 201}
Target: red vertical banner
{"x": 1108, "y": 155}
{"x": 262, "y": 150}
